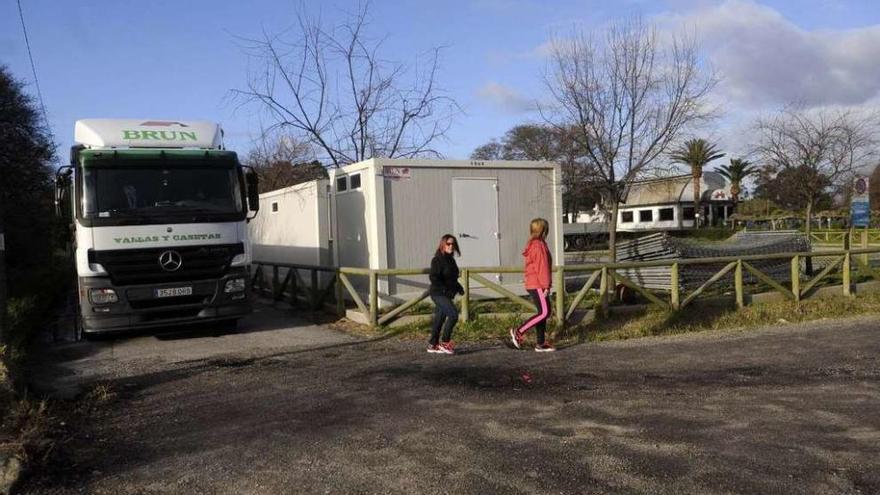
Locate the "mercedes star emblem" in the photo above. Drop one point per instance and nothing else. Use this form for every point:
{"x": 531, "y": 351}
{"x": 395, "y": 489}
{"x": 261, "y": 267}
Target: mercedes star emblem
{"x": 170, "y": 261}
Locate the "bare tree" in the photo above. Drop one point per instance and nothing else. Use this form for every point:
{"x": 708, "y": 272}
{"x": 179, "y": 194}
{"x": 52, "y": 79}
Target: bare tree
{"x": 542, "y": 142}
{"x": 281, "y": 160}
{"x": 330, "y": 85}
{"x": 628, "y": 97}
{"x": 818, "y": 149}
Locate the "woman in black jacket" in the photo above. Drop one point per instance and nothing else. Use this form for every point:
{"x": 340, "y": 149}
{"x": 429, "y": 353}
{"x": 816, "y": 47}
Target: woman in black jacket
{"x": 444, "y": 287}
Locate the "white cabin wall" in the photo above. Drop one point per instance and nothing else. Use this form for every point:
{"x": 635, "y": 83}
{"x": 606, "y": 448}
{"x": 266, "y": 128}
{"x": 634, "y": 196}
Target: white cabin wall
{"x": 296, "y": 232}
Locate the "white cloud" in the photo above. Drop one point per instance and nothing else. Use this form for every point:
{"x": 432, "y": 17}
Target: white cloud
{"x": 505, "y": 98}
{"x": 765, "y": 59}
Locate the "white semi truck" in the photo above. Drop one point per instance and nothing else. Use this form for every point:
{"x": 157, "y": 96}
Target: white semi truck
{"x": 158, "y": 211}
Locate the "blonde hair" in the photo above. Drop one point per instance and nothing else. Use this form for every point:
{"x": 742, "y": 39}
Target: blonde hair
{"x": 539, "y": 228}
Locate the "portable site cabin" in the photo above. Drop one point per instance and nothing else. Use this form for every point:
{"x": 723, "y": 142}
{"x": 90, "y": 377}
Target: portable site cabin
{"x": 391, "y": 213}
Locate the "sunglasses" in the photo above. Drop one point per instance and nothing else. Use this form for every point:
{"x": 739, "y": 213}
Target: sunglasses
{"x": 450, "y": 244}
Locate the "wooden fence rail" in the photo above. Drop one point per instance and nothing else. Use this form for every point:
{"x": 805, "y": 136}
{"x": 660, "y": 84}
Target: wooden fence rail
{"x": 796, "y": 288}
{"x": 857, "y": 237}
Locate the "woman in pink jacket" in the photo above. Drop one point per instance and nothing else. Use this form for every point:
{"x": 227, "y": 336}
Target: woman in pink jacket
{"x": 537, "y": 280}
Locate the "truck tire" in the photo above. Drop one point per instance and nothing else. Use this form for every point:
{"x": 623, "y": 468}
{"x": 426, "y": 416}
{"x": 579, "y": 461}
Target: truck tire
{"x": 227, "y": 325}
{"x": 77, "y": 327}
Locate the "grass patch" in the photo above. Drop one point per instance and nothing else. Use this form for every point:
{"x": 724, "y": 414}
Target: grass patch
{"x": 651, "y": 322}
{"x": 655, "y": 322}
{"x": 24, "y": 420}
{"x": 30, "y": 419}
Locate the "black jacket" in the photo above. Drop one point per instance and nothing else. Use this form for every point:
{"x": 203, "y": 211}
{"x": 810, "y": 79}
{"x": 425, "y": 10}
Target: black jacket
{"x": 444, "y": 276}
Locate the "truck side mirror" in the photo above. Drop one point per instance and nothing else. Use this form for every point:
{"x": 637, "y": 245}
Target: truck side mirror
{"x": 62, "y": 191}
{"x": 253, "y": 190}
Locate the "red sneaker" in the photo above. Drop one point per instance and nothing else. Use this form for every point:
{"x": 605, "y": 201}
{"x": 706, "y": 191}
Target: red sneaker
{"x": 515, "y": 339}
{"x": 447, "y": 347}
{"x": 545, "y": 347}
{"x": 434, "y": 349}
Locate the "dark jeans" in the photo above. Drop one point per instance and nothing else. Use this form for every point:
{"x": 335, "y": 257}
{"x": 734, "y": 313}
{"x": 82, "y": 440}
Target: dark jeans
{"x": 445, "y": 315}
{"x": 539, "y": 320}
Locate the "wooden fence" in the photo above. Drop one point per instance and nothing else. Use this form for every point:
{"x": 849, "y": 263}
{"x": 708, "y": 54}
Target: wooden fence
{"x": 863, "y": 238}
{"x": 600, "y": 277}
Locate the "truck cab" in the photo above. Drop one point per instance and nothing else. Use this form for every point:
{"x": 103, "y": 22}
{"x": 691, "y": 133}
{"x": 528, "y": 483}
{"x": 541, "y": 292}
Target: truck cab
{"x": 159, "y": 212}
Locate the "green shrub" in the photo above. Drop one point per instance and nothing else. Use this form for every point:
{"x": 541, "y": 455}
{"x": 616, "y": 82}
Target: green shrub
{"x": 33, "y": 302}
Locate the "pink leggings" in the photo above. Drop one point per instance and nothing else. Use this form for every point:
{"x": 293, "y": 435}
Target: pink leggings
{"x": 539, "y": 321}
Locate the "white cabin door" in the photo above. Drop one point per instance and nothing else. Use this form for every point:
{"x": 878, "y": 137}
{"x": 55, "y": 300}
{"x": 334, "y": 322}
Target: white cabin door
{"x": 475, "y": 221}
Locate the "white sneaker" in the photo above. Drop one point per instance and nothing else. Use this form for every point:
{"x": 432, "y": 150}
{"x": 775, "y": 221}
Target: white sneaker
{"x": 517, "y": 342}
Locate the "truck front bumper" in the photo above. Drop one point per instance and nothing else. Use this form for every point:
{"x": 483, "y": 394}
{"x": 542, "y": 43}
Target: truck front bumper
{"x": 139, "y": 307}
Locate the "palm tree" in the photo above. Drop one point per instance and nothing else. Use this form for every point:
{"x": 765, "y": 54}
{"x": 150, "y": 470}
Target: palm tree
{"x": 736, "y": 172}
{"x": 696, "y": 153}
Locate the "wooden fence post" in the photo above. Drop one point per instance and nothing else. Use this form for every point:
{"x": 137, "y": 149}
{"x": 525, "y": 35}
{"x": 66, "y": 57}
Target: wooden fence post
{"x": 313, "y": 297}
{"x": 560, "y": 296}
{"x": 340, "y": 294}
{"x": 275, "y": 283}
{"x": 675, "y": 297}
{"x": 466, "y": 298}
{"x": 294, "y": 296}
{"x": 847, "y": 274}
{"x": 374, "y": 299}
{"x": 738, "y": 285}
{"x": 796, "y": 278}
{"x": 602, "y": 306}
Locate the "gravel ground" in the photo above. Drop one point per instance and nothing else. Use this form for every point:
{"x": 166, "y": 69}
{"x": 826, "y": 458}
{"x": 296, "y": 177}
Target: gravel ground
{"x": 791, "y": 409}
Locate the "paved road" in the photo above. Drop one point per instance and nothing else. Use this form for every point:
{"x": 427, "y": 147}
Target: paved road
{"x": 789, "y": 409}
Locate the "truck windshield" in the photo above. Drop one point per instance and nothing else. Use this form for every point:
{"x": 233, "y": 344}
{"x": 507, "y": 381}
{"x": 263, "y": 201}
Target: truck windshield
{"x": 114, "y": 192}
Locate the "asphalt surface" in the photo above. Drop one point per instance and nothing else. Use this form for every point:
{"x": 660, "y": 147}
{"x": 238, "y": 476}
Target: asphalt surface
{"x": 789, "y": 409}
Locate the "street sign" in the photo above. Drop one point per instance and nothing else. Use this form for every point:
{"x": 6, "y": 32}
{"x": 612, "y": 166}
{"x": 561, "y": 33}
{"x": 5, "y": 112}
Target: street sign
{"x": 860, "y": 206}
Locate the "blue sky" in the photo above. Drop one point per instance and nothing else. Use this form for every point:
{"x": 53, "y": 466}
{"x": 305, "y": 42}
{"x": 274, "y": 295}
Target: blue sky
{"x": 179, "y": 60}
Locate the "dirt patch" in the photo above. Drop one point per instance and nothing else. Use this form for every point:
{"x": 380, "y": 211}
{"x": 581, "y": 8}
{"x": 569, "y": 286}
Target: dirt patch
{"x": 778, "y": 410}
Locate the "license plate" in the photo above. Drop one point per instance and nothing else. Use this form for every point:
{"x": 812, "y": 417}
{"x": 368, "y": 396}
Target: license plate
{"x": 174, "y": 292}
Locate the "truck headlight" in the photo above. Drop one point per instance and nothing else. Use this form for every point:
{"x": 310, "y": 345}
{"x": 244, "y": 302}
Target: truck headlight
{"x": 102, "y": 296}
{"x": 234, "y": 285}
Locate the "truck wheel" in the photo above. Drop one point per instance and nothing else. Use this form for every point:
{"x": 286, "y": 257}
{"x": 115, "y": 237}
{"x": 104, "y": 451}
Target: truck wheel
{"x": 227, "y": 325}
{"x": 566, "y": 244}
{"x": 580, "y": 242}
{"x": 77, "y": 328}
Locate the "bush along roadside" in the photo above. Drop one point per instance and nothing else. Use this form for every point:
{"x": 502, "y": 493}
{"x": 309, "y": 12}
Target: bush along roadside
{"x": 23, "y": 419}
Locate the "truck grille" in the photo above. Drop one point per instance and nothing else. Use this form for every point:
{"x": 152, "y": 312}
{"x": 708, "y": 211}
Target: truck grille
{"x": 141, "y": 266}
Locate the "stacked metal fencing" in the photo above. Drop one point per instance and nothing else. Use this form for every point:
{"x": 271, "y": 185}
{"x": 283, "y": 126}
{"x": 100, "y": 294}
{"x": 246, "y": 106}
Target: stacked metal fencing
{"x": 662, "y": 246}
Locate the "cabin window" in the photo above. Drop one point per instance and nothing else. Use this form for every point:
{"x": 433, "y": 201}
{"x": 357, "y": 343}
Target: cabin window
{"x": 667, "y": 214}
{"x": 626, "y": 217}
{"x": 341, "y": 183}
{"x": 687, "y": 213}
{"x": 355, "y": 181}
{"x": 646, "y": 215}
{"x": 274, "y": 206}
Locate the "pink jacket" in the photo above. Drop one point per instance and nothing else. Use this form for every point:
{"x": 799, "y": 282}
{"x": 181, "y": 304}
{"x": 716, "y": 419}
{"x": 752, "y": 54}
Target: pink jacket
{"x": 538, "y": 265}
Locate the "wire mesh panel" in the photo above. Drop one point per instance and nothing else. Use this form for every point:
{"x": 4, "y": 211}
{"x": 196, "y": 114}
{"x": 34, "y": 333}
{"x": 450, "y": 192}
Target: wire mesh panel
{"x": 662, "y": 246}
